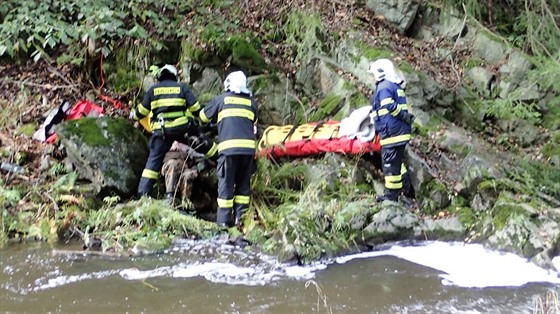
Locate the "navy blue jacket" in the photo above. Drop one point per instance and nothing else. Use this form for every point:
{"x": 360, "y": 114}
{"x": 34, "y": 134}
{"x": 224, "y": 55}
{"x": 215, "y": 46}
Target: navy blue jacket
{"x": 235, "y": 115}
{"x": 389, "y": 106}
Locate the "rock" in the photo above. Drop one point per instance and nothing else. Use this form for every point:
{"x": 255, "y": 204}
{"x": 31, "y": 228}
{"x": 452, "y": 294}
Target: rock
{"x": 109, "y": 152}
{"x": 392, "y": 223}
{"x": 488, "y": 48}
{"x": 456, "y": 142}
{"x": 481, "y": 77}
{"x": 420, "y": 171}
{"x": 400, "y": 13}
{"x": 209, "y": 82}
{"x": 446, "y": 229}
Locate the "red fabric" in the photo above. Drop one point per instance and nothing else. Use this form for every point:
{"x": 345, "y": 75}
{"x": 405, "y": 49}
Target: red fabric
{"x": 82, "y": 108}
{"x": 304, "y": 148}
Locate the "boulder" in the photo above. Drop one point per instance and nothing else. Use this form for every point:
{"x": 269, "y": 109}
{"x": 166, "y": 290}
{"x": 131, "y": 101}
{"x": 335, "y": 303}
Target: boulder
{"x": 107, "y": 151}
{"x": 400, "y": 13}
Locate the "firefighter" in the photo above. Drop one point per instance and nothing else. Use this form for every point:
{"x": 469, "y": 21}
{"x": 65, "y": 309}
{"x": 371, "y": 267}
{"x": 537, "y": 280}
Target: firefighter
{"x": 235, "y": 112}
{"x": 393, "y": 123}
{"x": 173, "y": 108}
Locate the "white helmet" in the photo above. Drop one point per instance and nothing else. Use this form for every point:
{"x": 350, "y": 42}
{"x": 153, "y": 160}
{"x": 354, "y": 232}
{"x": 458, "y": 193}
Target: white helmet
{"x": 169, "y": 68}
{"x": 236, "y": 82}
{"x": 381, "y": 69}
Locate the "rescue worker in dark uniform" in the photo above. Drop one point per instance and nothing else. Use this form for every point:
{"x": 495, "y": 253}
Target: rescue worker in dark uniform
{"x": 173, "y": 109}
{"x": 393, "y": 123}
{"x": 235, "y": 113}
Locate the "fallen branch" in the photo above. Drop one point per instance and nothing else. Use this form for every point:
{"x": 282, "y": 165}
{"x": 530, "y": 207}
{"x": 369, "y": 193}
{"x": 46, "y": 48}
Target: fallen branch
{"x": 91, "y": 253}
{"x": 46, "y": 86}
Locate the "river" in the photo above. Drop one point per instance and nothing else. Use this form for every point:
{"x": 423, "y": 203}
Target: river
{"x": 213, "y": 277}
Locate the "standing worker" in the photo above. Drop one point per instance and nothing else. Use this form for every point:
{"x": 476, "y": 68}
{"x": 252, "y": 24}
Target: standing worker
{"x": 393, "y": 123}
{"x": 173, "y": 108}
{"x": 235, "y": 112}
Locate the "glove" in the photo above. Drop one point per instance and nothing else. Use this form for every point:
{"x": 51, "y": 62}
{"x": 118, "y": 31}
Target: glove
{"x": 132, "y": 115}
{"x": 153, "y": 70}
{"x": 409, "y": 118}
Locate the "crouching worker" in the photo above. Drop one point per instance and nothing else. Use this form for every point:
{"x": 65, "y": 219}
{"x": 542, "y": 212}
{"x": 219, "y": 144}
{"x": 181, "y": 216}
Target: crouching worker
{"x": 235, "y": 113}
{"x": 179, "y": 171}
{"x": 173, "y": 108}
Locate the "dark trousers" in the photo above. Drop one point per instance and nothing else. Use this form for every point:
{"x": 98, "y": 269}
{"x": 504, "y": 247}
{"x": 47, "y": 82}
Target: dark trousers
{"x": 159, "y": 146}
{"x": 234, "y": 186}
{"x": 395, "y": 172}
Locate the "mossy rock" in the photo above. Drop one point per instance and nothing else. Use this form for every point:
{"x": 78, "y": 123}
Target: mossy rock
{"x": 108, "y": 151}
{"x": 372, "y": 53}
{"x": 246, "y": 55}
{"x": 434, "y": 196}
{"x": 552, "y": 148}
{"x": 506, "y": 208}
{"x": 327, "y": 107}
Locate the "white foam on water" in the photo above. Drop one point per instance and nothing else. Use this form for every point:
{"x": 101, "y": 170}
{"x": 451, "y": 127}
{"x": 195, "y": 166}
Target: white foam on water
{"x": 226, "y": 273}
{"x": 64, "y": 280}
{"x": 556, "y": 263}
{"x": 468, "y": 265}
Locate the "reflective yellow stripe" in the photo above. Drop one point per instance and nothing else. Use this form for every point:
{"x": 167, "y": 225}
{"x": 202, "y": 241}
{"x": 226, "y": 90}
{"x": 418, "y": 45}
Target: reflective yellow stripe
{"x": 380, "y": 112}
{"x": 400, "y": 93}
{"x": 393, "y": 182}
{"x": 203, "y": 117}
{"x": 212, "y": 151}
{"x": 384, "y": 111}
{"x": 236, "y": 112}
{"x": 194, "y": 107}
{"x": 143, "y": 110}
{"x": 396, "y": 112}
{"x": 166, "y": 90}
{"x": 394, "y": 186}
{"x": 396, "y": 178}
{"x": 170, "y": 124}
{"x": 170, "y": 102}
{"x": 241, "y": 199}
{"x": 236, "y": 144}
{"x": 403, "y": 169}
{"x": 386, "y": 101}
{"x": 237, "y": 101}
{"x": 173, "y": 114}
{"x": 225, "y": 203}
{"x": 150, "y": 174}
{"x": 395, "y": 139}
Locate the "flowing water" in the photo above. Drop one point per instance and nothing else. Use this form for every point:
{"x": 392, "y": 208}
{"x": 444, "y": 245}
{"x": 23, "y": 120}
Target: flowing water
{"x": 214, "y": 277}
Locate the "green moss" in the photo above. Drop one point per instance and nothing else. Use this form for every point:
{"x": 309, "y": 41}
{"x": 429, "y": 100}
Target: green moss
{"x": 96, "y": 131}
{"x": 245, "y": 53}
{"x": 122, "y": 72}
{"x": 27, "y": 129}
{"x": 429, "y": 128}
{"x": 552, "y": 147}
{"x": 472, "y": 63}
{"x": 505, "y": 209}
{"x": 467, "y": 216}
{"x": 427, "y": 191}
{"x": 88, "y": 131}
{"x": 406, "y": 67}
{"x": 372, "y": 53}
{"x": 460, "y": 150}
{"x": 327, "y": 107}
{"x": 190, "y": 52}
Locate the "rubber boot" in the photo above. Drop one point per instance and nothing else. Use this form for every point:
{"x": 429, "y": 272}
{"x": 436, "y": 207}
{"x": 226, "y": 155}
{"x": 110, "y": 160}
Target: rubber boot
{"x": 223, "y": 217}
{"x": 390, "y": 195}
{"x": 169, "y": 198}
